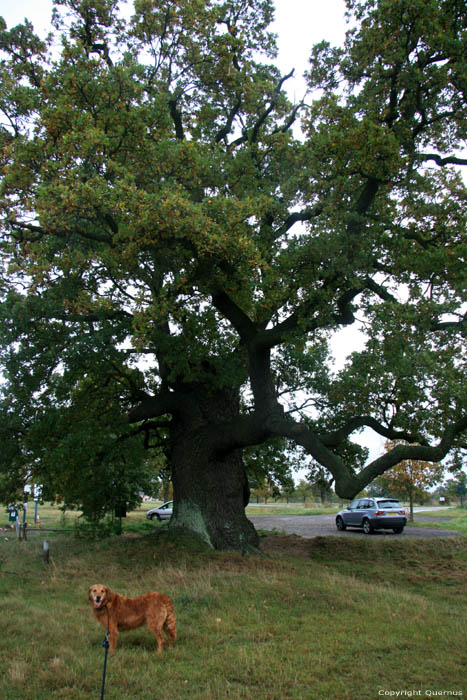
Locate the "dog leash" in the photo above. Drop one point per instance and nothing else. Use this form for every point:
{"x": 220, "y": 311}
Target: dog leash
{"x": 105, "y": 644}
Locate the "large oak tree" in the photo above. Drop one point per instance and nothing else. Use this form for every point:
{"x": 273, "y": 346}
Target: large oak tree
{"x": 176, "y": 253}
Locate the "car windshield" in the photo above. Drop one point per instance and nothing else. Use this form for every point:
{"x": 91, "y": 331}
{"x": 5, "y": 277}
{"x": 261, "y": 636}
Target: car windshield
{"x": 386, "y": 505}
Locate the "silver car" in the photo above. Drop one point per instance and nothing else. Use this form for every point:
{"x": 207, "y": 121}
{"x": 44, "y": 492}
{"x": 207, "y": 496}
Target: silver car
{"x": 373, "y": 514}
{"x": 163, "y": 512}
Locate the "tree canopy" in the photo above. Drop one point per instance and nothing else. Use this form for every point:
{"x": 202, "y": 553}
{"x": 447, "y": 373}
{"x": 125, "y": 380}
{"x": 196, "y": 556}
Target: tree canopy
{"x": 176, "y": 254}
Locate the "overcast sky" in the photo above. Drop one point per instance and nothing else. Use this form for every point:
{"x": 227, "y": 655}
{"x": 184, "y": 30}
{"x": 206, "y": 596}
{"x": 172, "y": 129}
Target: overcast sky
{"x": 299, "y": 24}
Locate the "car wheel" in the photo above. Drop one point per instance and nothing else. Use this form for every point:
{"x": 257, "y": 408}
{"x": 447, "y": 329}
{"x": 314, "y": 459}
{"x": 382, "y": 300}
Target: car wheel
{"x": 398, "y": 530}
{"x": 340, "y": 523}
{"x": 367, "y": 527}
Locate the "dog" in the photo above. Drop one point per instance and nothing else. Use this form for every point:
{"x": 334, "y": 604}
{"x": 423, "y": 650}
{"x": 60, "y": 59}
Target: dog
{"x": 116, "y": 613}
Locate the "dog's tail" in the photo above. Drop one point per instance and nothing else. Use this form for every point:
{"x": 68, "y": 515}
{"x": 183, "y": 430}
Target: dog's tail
{"x": 170, "y": 625}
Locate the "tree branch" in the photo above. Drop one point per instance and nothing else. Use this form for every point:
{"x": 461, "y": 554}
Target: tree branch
{"x": 177, "y": 118}
{"x": 347, "y": 483}
{"x": 439, "y": 160}
{"x": 40, "y": 232}
{"x": 336, "y": 437}
{"x": 445, "y": 325}
{"x": 149, "y": 407}
{"x": 300, "y": 216}
{"x": 238, "y": 318}
{"x": 225, "y": 131}
{"x": 269, "y": 109}
{"x": 349, "y": 487}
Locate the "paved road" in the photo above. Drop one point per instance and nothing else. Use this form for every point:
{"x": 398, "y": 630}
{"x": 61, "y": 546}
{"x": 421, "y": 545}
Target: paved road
{"x": 322, "y": 525}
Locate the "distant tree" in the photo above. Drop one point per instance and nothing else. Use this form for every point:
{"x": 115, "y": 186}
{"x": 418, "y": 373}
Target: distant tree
{"x": 377, "y": 489}
{"x": 410, "y": 478}
{"x": 304, "y": 490}
{"x": 271, "y": 463}
{"x": 456, "y": 488}
{"x": 264, "y": 491}
{"x": 288, "y": 491}
{"x": 321, "y": 483}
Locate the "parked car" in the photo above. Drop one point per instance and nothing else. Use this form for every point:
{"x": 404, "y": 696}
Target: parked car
{"x": 373, "y": 514}
{"x": 163, "y": 512}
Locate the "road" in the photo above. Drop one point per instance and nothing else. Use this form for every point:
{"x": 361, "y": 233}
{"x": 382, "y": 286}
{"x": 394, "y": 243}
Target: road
{"x": 323, "y": 525}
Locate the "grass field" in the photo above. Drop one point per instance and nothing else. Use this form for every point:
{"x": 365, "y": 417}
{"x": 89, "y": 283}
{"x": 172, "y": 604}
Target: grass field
{"x": 327, "y": 618}
{"x": 452, "y": 519}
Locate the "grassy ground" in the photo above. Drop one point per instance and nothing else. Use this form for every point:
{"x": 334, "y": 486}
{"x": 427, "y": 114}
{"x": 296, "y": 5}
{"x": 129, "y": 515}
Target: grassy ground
{"x": 452, "y": 519}
{"x": 313, "y": 619}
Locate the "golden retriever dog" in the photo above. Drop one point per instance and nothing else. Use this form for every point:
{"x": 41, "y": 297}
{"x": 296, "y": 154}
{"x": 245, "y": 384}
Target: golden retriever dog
{"x": 121, "y": 613}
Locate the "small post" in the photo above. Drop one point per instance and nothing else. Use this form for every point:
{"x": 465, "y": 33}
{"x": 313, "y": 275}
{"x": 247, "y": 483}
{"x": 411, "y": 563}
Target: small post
{"x": 46, "y": 551}
{"x": 18, "y": 527}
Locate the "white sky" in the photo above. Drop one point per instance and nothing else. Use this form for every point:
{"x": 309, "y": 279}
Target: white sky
{"x": 299, "y": 24}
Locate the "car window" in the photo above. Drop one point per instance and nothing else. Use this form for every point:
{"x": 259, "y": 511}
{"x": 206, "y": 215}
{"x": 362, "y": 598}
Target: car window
{"x": 388, "y": 504}
{"x": 361, "y": 505}
{"x": 354, "y": 505}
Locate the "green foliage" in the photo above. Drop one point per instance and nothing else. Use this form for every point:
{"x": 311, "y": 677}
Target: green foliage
{"x": 272, "y": 461}
{"x": 98, "y": 528}
{"x": 303, "y": 490}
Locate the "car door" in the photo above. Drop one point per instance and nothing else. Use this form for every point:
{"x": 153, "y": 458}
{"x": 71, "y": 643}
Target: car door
{"x": 364, "y": 508}
{"x": 352, "y": 513}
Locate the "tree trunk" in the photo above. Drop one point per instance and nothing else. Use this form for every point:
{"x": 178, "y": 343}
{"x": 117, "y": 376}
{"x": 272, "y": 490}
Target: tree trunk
{"x": 210, "y": 489}
{"x": 411, "y": 506}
